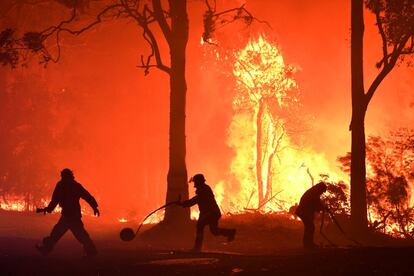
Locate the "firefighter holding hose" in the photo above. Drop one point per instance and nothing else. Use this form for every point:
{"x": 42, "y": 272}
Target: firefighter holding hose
{"x": 209, "y": 212}
{"x": 309, "y": 204}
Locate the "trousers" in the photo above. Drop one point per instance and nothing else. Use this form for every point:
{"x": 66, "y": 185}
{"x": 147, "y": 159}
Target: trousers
{"x": 75, "y": 225}
{"x": 212, "y": 221}
{"x": 309, "y": 230}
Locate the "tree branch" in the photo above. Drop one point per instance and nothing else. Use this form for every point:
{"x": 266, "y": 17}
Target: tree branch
{"x": 211, "y": 16}
{"x": 395, "y": 54}
{"x": 162, "y": 22}
{"x": 383, "y": 37}
{"x": 144, "y": 19}
{"x": 59, "y": 28}
{"x": 155, "y": 51}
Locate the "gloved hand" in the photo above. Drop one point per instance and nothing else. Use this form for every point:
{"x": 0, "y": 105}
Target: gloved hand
{"x": 96, "y": 212}
{"x": 41, "y": 210}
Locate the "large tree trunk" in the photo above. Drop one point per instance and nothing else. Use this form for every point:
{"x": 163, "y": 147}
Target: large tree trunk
{"x": 177, "y": 185}
{"x": 359, "y": 106}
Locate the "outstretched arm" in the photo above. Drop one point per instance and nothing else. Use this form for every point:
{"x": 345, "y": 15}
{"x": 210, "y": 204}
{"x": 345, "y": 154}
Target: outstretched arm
{"x": 190, "y": 202}
{"x": 91, "y": 200}
{"x": 55, "y": 199}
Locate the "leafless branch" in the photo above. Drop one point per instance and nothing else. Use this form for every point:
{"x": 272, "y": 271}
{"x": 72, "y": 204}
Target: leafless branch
{"x": 211, "y": 17}
{"x": 143, "y": 16}
{"x": 144, "y": 19}
{"x": 268, "y": 200}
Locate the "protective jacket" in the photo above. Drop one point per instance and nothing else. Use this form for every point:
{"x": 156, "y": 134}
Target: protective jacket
{"x": 310, "y": 203}
{"x": 206, "y": 202}
{"x": 67, "y": 194}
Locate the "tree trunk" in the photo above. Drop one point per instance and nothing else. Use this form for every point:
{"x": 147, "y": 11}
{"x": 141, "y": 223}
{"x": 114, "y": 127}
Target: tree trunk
{"x": 177, "y": 185}
{"x": 259, "y": 164}
{"x": 269, "y": 180}
{"x": 359, "y": 106}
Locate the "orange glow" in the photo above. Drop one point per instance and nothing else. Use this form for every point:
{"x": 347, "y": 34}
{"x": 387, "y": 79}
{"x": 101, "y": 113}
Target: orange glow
{"x": 109, "y": 122}
{"x": 13, "y": 206}
{"x": 262, "y": 76}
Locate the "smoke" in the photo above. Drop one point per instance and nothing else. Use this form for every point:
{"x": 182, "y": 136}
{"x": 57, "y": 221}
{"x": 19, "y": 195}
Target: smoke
{"x": 118, "y": 143}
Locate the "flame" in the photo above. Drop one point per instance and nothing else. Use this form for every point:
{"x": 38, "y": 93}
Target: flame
{"x": 269, "y": 170}
{"x": 18, "y": 206}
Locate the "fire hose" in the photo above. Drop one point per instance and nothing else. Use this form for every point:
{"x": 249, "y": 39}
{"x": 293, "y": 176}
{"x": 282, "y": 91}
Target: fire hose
{"x": 335, "y": 221}
{"x": 323, "y": 234}
{"x": 128, "y": 234}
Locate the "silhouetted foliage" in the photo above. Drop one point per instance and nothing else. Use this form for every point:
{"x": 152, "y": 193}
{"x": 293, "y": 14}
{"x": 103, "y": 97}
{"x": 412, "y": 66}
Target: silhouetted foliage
{"x": 8, "y": 55}
{"x": 390, "y": 162}
{"x": 213, "y": 20}
{"x": 395, "y": 20}
{"x": 336, "y": 195}
{"x": 336, "y": 198}
{"x": 33, "y": 41}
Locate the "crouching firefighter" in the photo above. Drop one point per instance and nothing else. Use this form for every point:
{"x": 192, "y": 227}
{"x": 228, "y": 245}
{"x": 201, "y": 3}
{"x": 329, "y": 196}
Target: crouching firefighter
{"x": 309, "y": 204}
{"x": 67, "y": 194}
{"x": 209, "y": 212}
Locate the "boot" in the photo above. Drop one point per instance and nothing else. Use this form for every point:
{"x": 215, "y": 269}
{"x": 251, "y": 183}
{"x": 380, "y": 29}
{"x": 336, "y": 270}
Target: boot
{"x": 231, "y": 235}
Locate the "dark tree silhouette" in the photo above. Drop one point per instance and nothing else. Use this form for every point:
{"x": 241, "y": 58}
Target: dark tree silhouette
{"x": 148, "y": 14}
{"x": 395, "y": 21}
{"x": 336, "y": 199}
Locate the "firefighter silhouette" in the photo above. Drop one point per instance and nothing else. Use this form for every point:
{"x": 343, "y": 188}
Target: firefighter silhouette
{"x": 310, "y": 202}
{"x": 209, "y": 212}
{"x": 67, "y": 194}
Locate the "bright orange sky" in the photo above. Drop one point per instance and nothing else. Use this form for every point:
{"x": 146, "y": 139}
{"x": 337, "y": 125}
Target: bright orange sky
{"x": 124, "y": 116}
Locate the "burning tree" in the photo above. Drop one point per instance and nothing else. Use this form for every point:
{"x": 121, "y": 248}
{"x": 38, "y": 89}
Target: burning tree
{"x": 265, "y": 91}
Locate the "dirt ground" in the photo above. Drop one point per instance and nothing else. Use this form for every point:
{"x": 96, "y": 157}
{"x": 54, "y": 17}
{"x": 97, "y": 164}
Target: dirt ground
{"x": 265, "y": 245}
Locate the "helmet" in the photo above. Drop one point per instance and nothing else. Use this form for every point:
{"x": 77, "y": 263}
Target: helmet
{"x": 198, "y": 178}
{"x": 66, "y": 173}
